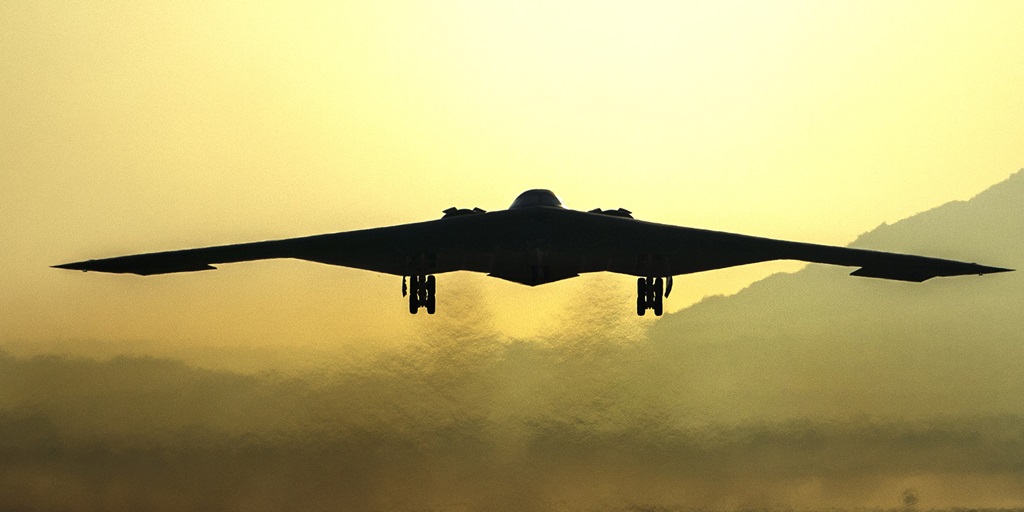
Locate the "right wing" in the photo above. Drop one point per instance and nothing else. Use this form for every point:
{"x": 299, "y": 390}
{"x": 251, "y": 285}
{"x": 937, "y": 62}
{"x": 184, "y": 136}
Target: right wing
{"x": 645, "y": 248}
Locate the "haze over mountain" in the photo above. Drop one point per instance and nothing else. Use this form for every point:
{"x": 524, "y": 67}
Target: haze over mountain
{"x": 819, "y": 342}
{"x": 811, "y": 389}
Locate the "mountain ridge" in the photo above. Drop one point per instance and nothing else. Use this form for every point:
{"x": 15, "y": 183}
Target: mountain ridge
{"x": 818, "y": 342}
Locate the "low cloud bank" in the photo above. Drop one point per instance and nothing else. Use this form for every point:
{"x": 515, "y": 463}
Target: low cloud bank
{"x": 463, "y": 424}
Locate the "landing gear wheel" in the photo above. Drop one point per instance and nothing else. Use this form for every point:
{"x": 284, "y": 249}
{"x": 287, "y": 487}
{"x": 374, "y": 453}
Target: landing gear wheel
{"x": 658, "y": 295}
{"x": 414, "y": 293}
{"x": 431, "y": 287}
{"x": 650, "y": 294}
{"x": 641, "y": 296}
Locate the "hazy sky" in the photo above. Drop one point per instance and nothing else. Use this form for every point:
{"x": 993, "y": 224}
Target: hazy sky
{"x": 143, "y": 126}
{"x": 130, "y": 126}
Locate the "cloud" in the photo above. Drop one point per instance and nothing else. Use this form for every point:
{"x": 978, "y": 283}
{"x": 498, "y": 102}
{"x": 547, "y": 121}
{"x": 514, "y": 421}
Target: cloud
{"x": 568, "y": 431}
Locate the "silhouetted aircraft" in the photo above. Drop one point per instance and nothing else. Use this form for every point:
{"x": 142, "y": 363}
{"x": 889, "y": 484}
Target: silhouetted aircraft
{"x": 536, "y": 241}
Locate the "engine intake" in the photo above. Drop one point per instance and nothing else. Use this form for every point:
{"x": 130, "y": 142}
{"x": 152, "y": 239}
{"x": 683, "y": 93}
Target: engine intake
{"x": 455, "y": 212}
{"x": 621, "y": 212}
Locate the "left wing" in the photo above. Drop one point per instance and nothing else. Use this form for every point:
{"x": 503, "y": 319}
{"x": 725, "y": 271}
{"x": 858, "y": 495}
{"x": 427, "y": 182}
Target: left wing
{"x": 444, "y": 245}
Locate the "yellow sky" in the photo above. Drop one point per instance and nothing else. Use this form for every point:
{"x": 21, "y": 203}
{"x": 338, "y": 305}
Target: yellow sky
{"x": 143, "y": 126}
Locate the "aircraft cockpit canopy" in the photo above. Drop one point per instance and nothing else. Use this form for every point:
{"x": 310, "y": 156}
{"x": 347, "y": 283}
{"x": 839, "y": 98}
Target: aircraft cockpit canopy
{"x": 536, "y": 197}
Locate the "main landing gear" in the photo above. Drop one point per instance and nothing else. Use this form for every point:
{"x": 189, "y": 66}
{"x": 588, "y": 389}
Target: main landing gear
{"x": 421, "y": 293}
{"x": 650, "y": 292}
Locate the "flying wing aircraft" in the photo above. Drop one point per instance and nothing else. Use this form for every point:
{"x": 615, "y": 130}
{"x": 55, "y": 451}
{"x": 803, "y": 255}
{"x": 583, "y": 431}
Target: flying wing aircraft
{"x": 537, "y": 241}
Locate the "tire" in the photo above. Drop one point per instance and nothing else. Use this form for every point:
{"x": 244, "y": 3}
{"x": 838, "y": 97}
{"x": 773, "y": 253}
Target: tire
{"x": 641, "y": 296}
{"x": 414, "y": 294}
{"x": 657, "y": 303}
{"x": 429, "y": 289}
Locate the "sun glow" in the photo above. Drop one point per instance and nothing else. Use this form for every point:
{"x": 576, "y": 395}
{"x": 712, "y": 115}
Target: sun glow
{"x": 148, "y": 128}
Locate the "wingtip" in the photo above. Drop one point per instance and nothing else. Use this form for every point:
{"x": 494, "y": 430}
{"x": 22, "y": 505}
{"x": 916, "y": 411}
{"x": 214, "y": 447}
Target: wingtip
{"x": 71, "y": 266}
{"x": 982, "y": 270}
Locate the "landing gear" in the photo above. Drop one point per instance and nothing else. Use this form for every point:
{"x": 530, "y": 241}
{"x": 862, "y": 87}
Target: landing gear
{"x": 421, "y": 293}
{"x": 430, "y": 303}
{"x": 650, "y": 295}
{"x": 641, "y": 296}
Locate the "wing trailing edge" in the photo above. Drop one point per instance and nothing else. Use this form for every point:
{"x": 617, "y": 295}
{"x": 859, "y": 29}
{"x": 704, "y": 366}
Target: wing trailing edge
{"x": 126, "y": 265}
{"x": 921, "y": 273}
{"x": 186, "y": 260}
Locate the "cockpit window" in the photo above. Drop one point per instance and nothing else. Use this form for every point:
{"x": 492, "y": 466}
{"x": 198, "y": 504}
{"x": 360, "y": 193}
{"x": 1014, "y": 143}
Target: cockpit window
{"x": 536, "y": 197}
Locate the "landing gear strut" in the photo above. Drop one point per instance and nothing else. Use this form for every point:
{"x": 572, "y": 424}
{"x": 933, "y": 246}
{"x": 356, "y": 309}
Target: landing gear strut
{"x": 421, "y": 293}
{"x": 649, "y": 294}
